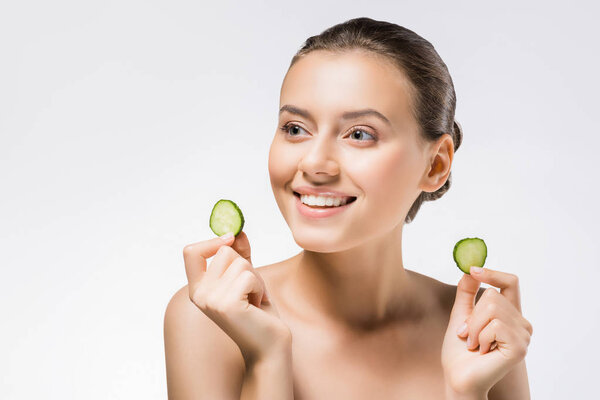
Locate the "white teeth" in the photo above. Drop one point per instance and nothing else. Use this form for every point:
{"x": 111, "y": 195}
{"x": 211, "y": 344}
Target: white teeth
{"x": 312, "y": 200}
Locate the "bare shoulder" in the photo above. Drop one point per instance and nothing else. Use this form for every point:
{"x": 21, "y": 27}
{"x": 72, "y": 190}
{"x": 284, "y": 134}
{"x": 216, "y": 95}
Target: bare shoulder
{"x": 444, "y": 293}
{"x": 275, "y": 270}
{"x": 202, "y": 361}
{"x": 273, "y": 275}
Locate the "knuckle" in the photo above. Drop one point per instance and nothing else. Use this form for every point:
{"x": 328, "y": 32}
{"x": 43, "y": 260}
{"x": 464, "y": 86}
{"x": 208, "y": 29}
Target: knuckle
{"x": 188, "y": 250}
{"x": 246, "y": 263}
{"x": 529, "y": 327}
{"x": 490, "y": 292}
{"x": 247, "y": 275}
{"x": 235, "y": 268}
{"x": 492, "y": 308}
{"x": 514, "y": 279}
{"x": 521, "y": 351}
{"x": 222, "y": 250}
{"x": 495, "y": 323}
{"x": 240, "y": 263}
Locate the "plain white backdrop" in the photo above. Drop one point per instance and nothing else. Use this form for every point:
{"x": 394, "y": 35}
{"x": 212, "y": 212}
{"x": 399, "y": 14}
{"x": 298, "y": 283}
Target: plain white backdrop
{"x": 123, "y": 122}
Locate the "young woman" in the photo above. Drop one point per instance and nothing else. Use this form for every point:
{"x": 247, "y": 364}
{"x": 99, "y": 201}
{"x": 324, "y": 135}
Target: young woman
{"x": 366, "y": 134}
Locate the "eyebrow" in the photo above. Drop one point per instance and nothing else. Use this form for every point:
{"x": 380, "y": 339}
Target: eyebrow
{"x": 346, "y": 115}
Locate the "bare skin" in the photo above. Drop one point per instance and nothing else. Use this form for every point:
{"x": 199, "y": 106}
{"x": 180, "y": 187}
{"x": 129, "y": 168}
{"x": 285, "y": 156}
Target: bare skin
{"x": 396, "y": 358}
{"x": 347, "y": 297}
{"x": 362, "y": 325}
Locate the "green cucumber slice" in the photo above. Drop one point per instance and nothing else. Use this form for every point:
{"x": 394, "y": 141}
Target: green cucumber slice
{"x": 469, "y": 252}
{"x": 225, "y": 217}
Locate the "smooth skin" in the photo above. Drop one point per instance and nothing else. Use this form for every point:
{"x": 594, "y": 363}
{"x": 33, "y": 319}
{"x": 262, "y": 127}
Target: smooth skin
{"x": 362, "y": 323}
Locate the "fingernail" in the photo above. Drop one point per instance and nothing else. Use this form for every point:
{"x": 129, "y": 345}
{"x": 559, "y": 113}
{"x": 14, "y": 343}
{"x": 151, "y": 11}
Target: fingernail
{"x": 475, "y": 270}
{"x": 227, "y": 236}
{"x": 462, "y": 329}
{"x": 469, "y": 341}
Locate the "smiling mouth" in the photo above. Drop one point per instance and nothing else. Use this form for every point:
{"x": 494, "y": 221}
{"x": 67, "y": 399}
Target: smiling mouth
{"x": 352, "y": 199}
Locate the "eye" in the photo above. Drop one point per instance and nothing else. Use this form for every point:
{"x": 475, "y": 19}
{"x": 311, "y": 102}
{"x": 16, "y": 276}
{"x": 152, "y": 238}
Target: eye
{"x": 354, "y": 135}
{"x": 286, "y": 128}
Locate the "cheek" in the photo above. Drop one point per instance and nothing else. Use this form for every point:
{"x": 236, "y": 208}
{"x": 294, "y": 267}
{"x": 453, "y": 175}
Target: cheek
{"x": 389, "y": 181}
{"x": 279, "y": 165}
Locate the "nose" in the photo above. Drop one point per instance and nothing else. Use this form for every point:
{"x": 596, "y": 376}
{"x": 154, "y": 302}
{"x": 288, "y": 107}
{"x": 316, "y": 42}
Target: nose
{"x": 320, "y": 157}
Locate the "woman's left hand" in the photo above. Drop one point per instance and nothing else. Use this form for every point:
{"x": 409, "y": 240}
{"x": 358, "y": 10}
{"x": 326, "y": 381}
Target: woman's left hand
{"x": 494, "y": 324}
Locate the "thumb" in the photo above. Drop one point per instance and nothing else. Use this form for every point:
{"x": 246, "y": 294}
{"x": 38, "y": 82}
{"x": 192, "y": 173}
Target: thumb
{"x": 466, "y": 291}
{"x": 242, "y": 246}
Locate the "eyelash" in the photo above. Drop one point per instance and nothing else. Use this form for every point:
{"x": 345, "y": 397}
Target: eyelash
{"x": 286, "y": 127}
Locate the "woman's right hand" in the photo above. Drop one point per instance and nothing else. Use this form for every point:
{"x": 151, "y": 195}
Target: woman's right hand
{"x": 232, "y": 294}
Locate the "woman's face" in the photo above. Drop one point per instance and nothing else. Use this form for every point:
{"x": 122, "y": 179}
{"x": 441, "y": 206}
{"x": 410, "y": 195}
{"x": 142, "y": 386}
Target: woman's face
{"x": 382, "y": 164}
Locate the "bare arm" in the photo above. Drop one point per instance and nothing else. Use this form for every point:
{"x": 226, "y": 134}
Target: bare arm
{"x": 514, "y": 385}
{"x": 270, "y": 379}
{"x": 202, "y": 361}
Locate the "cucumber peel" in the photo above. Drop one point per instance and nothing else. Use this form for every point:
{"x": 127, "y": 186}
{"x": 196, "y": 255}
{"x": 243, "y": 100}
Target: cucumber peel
{"x": 469, "y": 252}
{"x": 225, "y": 217}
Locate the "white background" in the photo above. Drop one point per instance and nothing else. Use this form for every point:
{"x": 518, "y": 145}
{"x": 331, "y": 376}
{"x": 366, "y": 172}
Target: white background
{"x": 123, "y": 122}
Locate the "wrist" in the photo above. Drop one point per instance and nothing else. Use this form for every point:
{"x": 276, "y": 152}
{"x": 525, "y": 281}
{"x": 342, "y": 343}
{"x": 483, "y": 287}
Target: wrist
{"x": 281, "y": 361}
{"x": 278, "y": 356}
{"x": 451, "y": 394}
{"x": 270, "y": 377}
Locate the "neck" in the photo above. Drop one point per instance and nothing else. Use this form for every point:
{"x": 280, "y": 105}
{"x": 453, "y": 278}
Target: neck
{"x": 361, "y": 288}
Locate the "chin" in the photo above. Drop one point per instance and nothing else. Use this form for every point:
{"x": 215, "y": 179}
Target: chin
{"x": 321, "y": 243}
{"x": 318, "y": 247}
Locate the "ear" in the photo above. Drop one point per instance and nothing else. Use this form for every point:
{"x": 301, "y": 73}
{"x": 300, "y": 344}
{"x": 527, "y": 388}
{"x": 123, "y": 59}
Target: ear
{"x": 440, "y": 157}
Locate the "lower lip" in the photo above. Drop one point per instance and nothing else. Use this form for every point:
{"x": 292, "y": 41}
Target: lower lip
{"x": 319, "y": 212}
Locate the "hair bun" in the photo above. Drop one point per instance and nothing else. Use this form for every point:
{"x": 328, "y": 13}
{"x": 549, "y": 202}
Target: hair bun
{"x": 457, "y": 136}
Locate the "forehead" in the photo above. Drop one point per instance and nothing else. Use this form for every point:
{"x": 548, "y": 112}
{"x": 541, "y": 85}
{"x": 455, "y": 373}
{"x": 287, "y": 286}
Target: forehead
{"x": 327, "y": 83}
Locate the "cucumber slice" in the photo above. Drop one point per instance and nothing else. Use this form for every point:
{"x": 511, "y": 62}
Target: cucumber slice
{"x": 225, "y": 217}
{"x": 469, "y": 252}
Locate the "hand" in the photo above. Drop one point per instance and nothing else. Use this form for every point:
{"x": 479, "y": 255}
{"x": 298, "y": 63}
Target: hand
{"x": 494, "y": 324}
{"x": 232, "y": 294}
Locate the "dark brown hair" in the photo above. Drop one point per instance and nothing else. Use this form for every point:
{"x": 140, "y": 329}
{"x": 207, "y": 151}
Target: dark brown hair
{"x": 432, "y": 90}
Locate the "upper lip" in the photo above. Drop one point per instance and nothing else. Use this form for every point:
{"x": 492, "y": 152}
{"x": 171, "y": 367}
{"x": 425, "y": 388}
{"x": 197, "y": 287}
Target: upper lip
{"x": 320, "y": 191}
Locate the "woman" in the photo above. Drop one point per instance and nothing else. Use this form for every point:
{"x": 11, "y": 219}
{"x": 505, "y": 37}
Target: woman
{"x": 366, "y": 123}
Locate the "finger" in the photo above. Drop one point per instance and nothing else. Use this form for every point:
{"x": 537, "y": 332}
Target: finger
{"x": 247, "y": 286}
{"x": 221, "y": 262}
{"x": 238, "y": 266}
{"x": 505, "y": 337}
{"x": 464, "y": 332}
{"x": 507, "y": 283}
{"x": 492, "y": 305}
{"x": 487, "y": 336}
{"x": 242, "y": 245}
{"x": 229, "y": 254}
{"x": 466, "y": 291}
{"x": 195, "y": 255}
